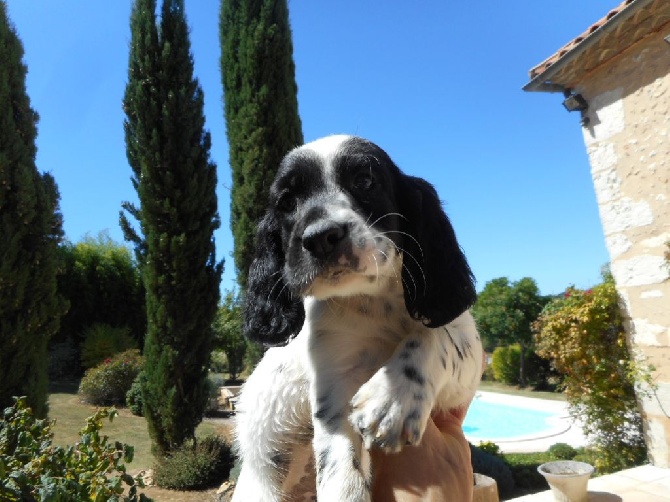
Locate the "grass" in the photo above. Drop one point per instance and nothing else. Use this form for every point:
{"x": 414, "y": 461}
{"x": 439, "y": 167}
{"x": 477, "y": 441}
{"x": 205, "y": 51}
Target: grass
{"x": 491, "y": 386}
{"x": 70, "y": 415}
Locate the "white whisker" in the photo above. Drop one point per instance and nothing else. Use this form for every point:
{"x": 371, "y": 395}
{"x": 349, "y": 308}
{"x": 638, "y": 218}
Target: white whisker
{"x": 406, "y": 235}
{"x": 278, "y": 281}
{"x": 418, "y": 264}
{"x": 384, "y": 216}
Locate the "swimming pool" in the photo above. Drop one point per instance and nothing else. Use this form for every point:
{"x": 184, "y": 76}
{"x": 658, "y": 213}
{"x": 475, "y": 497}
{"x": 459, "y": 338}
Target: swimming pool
{"x": 490, "y": 418}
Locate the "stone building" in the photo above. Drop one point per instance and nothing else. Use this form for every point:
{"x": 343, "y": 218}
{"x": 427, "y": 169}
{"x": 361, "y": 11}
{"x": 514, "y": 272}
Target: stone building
{"x": 617, "y": 75}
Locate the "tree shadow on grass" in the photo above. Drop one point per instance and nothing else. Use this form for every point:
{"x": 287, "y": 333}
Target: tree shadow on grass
{"x": 64, "y": 387}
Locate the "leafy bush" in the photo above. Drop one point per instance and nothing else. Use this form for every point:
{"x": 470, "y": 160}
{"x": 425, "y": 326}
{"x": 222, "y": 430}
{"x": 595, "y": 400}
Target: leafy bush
{"x": 196, "y": 465}
{"x": 541, "y": 375}
{"x": 524, "y": 470}
{"x": 505, "y": 362}
{"x": 583, "y": 335}
{"x": 488, "y": 374}
{"x": 102, "y": 341}
{"x": 489, "y": 447}
{"x": 493, "y": 467}
{"x": 214, "y": 383}
{"x": 109, "y": 382}
{"x": 255, "y": 352}
{"x": 31, "y": 468}
{"x": 218, "y": 363}
{"x": 63, "y": 359}
{"x": 562, "y": 451}
{"x": 227, "y": 328}
{"x": 134, "y": 400}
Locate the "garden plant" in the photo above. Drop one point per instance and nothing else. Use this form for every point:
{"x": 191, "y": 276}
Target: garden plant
{"x": 32, "y": 468}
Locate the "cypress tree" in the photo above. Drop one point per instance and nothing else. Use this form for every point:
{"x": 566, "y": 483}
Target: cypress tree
{"x": 30, "y": 231}
{"x": 261, "y": 109}
{"x": 168, "y": 150}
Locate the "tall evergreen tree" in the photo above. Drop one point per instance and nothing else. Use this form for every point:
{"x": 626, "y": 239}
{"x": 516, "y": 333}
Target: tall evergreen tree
{"x": 168, "y": 150}
{"x": 30, "y": 230}
{"x": 261, "y": 109}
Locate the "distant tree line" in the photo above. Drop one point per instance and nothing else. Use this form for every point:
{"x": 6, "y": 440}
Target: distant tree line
{"x": 505, "y": 312}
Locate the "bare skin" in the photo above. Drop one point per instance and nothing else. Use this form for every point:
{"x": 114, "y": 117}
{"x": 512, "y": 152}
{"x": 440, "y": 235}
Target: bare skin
{"x": 437, "y": 470}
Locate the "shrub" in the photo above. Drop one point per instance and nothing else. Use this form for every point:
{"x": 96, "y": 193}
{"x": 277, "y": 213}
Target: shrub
{"x": 493, "y": 467}
{"x": 524, "y": 469}
{"x": 218, "y": 362}
{"x": 214, "y": 383}
{"x": 505, "y": 362}
{"x": 31, "y": 468}
{"x": 196, "y": 465}
{"x": 562, "y": 451}
{"x": 227, "y": 328}
{"x": 489, "y": 447}
{"x": 109, "y": 382}
{"x": 541, "y": 375}
{"x": 63, "y": 359}
{"x": 255, "y": 352}
{"x": 102, "y": 341}
{"x": 134, "y": 400}
{"x": 488, "y": 374}
{"x": 583, "y": 335}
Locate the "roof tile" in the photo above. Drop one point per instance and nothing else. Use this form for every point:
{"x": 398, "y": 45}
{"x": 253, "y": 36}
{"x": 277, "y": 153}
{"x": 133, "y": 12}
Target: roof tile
{"x": 544, "y": 65}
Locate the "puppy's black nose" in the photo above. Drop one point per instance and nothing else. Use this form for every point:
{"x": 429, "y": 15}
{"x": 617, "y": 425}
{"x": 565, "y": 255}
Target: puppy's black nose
{"x": 321, "y": 238}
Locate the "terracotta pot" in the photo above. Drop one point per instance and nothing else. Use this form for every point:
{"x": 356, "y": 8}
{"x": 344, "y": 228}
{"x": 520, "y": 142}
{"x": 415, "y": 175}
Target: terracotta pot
{"x": 568, "y": 479}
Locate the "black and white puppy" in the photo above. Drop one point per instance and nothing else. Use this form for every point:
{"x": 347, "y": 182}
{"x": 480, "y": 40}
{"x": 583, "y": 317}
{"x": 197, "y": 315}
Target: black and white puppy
{"x": 359, "y": 267}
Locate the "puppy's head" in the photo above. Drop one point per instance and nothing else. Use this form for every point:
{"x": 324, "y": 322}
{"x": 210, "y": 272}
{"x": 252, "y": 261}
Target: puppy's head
{"x": 343, "y": 220}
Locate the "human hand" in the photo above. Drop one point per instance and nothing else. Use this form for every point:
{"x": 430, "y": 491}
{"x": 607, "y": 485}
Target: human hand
{"x": 437, "y": 470}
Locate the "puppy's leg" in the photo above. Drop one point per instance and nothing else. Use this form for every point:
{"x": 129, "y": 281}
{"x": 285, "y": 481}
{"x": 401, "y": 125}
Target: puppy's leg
{"x": 343, "y": 471}
{"x": 272, "y": 418}
{"x": 438, "y": 367}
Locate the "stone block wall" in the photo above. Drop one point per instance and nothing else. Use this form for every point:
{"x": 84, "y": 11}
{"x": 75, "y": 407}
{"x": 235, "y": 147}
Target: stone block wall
{"x": 628, "y": 143}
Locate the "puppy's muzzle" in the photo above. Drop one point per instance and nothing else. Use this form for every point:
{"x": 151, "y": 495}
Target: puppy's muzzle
{"x": 323, "y": 239}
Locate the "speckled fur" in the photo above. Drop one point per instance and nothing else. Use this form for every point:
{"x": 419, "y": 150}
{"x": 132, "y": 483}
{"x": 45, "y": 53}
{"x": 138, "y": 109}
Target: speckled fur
{"x": 379, "y": 304}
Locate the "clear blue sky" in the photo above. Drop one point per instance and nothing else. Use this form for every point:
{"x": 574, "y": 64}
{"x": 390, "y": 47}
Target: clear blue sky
{"x": 436, "y": 83}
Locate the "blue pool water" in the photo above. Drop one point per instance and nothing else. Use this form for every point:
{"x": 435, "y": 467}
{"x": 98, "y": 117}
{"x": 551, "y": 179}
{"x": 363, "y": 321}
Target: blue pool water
{"x": 487, "y": 420}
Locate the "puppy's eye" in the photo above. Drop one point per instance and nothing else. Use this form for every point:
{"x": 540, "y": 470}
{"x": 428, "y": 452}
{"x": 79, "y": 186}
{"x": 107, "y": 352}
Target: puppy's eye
{"x": 286, "y": 203}
{"x": 364, "y": 181}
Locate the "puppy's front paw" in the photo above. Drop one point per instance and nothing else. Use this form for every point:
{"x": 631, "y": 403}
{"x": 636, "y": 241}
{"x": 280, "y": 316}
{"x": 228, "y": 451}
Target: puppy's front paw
{"x": 391, "y": 409}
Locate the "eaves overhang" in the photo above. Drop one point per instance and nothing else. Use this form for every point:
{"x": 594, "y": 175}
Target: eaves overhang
{"x": 605, "y": 39}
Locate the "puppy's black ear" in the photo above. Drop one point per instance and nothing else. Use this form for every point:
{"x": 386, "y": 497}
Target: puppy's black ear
{"x": 271, "y": 313}
{"x": 438, "y": 282}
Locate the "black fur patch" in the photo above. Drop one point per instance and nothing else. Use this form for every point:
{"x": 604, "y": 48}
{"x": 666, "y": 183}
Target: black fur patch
{"x": 323, "y": 462}
{"x": 414, "y": 375}
{"x": 413, "y": 344}
{"x": 321, "y": 412}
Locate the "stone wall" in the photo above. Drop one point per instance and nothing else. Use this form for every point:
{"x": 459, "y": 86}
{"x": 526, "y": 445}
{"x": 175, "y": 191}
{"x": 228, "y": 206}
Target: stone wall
{"x": 628, "y": 142}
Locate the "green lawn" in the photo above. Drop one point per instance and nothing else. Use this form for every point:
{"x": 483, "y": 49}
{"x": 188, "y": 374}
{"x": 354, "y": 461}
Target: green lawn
{"x": 490, "y": 386}
{"x": 70, "y": 414}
